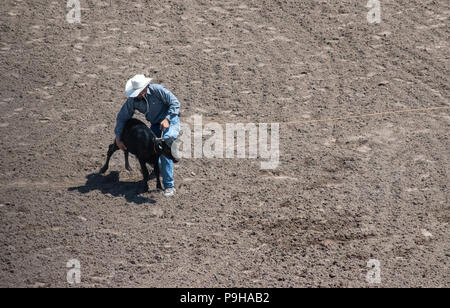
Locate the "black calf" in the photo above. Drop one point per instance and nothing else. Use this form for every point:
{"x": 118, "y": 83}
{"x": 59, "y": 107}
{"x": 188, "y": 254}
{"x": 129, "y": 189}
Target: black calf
{"x": 142, "y": 142}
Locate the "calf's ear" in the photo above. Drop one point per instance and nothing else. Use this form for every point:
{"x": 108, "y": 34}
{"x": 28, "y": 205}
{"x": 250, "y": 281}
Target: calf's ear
{"x": 159, "y": 145}
{"x": 169, "y": 141}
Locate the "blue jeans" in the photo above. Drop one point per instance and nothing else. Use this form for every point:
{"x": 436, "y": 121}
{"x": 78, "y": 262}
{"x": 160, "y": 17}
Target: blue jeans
{"x": 165, "y": 164}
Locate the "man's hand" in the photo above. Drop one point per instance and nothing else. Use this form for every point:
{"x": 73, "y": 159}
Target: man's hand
{"x": 165, "y": 125}
{"x": 121, "y": 145}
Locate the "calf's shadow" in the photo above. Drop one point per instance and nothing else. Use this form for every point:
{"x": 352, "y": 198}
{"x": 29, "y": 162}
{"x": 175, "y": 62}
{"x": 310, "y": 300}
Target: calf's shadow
{"x": 111, "y": 184}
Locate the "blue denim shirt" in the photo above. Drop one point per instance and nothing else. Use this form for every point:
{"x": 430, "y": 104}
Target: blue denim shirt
{"x": 162, "y": 104}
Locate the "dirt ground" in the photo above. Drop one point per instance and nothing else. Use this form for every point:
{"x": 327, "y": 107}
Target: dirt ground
{"x": 346, "y": 191}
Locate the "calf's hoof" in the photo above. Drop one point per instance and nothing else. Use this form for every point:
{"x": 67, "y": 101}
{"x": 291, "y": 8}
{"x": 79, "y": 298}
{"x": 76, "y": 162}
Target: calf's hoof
{"x": 145, "y": 186}
{"x": 103, "y": 170}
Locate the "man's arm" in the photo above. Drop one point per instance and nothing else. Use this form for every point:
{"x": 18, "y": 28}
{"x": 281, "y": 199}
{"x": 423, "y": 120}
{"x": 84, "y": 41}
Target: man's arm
{"x": 169, "y": 99}
{"x": 124, "y": 115}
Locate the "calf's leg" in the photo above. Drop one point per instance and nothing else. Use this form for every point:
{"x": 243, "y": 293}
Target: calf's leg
{"x": 112, "y": 149}
{"x": 157, "y": 174}
{"x": 127, "y": 162}
{"x": 145, "y": 173}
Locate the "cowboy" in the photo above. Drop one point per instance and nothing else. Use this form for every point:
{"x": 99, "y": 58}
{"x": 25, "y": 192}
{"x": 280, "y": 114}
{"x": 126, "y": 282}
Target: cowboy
{"x": 162, "y": 109}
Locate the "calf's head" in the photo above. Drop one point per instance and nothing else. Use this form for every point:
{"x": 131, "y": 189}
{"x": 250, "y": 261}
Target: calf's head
{"x": 164, "y": 147}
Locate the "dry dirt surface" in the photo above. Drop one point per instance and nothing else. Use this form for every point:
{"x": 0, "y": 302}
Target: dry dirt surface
{"x": 346, "y": 191}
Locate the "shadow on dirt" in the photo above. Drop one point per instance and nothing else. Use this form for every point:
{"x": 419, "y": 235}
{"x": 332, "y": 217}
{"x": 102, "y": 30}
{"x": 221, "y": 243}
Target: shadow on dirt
{"x": 111, "y": 184}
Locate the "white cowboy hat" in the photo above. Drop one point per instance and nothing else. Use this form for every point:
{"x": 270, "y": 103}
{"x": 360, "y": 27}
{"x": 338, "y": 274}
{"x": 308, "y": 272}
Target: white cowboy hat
{"x": 136, "y": 85}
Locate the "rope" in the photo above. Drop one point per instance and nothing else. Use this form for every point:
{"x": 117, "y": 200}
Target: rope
{"x": 368, "y": 115}
{"x": 361, "y": 116}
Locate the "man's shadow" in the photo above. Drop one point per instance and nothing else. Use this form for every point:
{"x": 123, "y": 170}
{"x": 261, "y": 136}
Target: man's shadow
{"x": 111, "y": 184}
